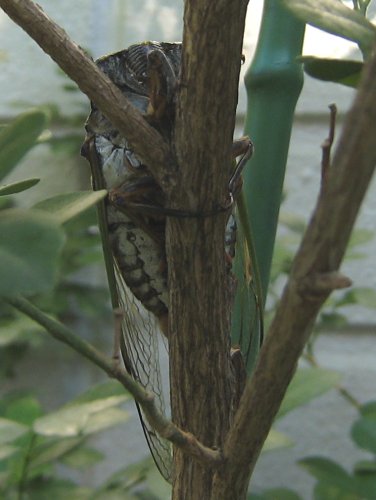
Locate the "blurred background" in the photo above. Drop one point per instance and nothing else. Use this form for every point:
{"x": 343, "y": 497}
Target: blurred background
{"x": 346, "y": 329}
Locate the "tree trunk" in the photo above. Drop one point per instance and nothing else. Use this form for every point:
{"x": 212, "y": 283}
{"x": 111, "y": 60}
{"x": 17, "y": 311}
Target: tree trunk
{"x": 200, "y": 302}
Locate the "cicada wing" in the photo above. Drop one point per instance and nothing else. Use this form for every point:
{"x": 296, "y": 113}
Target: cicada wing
{"x": 142, "y": 350}
{"x": 247, "y": 317}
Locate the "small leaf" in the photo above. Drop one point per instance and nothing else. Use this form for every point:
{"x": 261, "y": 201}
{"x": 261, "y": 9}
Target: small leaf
{"x": 52, "y": 450}
{"x": 363, "y": 433}
{"x": 331, "y": 320}
{"x": 82, "y": 457}
{"x": 128, "y": 477}
{"x": 24, "y": 410}
{"x": 360, "y": 236}
{"x": 82, "y": 419}
{"x": 18, "y": 187}
{"x": 19, "y": 137}
{"x": 276, "y": 440}
{"x": 369, "y": 409}
{"x": 334, "y": 17}
{"x": 307, "y": 384}
{"x": 328, "y": 472}
{"x": 105, "y": 419}
{"x": 19, "y": 330}
{"x": 10, "y": 430}
{"x": 31, "y": 243}
{"x": 365, "y": 467}
{"x": 365, "y": 297}
{"x": 46, "y": 488}
{"x": 6, "y": 451}
{"x": 341, "y": 71}
{"x": 69, "y": 205}
{"x": 104, "y": 390}
{"x": 325, "y": 491}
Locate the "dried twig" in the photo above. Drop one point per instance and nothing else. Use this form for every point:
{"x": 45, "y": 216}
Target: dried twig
{"x": 327, "y": 146}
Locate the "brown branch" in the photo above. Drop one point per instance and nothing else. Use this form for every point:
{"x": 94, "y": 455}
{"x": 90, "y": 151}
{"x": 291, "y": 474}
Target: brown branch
{"x": 145, "y": 399}
{"x": 320, "y": 253}
{"x": 143, "y": 138}
{"x": 200, "y": 366}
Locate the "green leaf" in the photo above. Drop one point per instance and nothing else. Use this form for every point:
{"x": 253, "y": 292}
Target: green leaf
{"x": 325, "y": 491}
{"x": 18, "y": 330}
{"x": 24, "y": 409}
{"x": 280, "y": 494}
{"x": 331, "y": 320}
{"x": 341, "y": 71}
{"x": 363, "y": 433}
{"x": 104, "y": 390}
{"x": 369, "y": 409}
{"x": 307, "y": 384}
{"x": 69, "y": 205}
{"x": 18, "y": 187}
{"x": 48, "y": 452}
{"x": 334, "y": 17}
{"x": 31, "y": 243}
{"x": 360, "y": 237}
{"x": 128, "y": 477}
{"x": 19, "y": 137}
{"x": 365, "y": 467}
{"x": 10, "y": 430}
{"x": 276, "y": 440}
{"x": 6, "y": 451}
{"x": 82, "y": 457}
{"x": 82, "y": 419}
{"x": 47, "y": 488}
{"x": 365, "y": 297}
{"x": 328, "y": 472}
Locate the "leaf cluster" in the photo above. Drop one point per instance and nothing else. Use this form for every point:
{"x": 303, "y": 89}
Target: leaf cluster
{"x": 336, "y": 18}
{"x": 44, "y": 249}
{"x": 33, "y": 444}
{"x": 333, "y": 482}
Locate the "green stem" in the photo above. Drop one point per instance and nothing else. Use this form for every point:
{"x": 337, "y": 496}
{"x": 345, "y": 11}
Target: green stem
{"x": 273, "y": 83}
{"x": 25, "y": 465}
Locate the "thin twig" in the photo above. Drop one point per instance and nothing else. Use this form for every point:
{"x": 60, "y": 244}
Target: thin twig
{"x": 327, "y": 146}
{"x": 143, "y": 138}
{"x": 145, "y": 399}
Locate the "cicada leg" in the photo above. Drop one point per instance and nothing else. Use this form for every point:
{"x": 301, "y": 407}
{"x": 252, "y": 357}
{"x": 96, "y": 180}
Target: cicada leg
{"x": 161, "y": 86}
{"x": 241, "y": 147}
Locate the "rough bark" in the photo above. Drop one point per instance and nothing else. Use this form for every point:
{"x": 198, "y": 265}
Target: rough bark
{"x": 200, "y": 367}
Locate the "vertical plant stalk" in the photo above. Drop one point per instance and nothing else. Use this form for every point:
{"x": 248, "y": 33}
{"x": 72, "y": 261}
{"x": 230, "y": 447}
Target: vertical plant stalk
{"x": 273, "y": 81}
{"x": 199, "y": 347}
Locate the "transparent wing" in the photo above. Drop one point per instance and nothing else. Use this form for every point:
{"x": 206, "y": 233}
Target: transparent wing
{"x": 247, "y": 318}
{"x": 145, "y": 355}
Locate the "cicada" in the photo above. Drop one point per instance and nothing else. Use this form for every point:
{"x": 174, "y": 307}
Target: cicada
{"x": 133, "y": 216}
